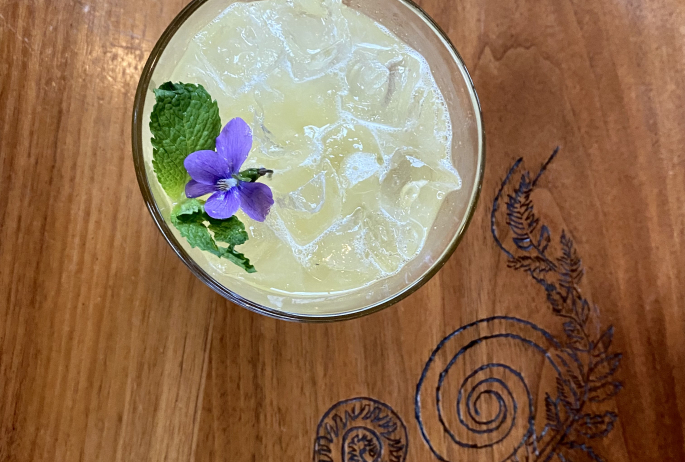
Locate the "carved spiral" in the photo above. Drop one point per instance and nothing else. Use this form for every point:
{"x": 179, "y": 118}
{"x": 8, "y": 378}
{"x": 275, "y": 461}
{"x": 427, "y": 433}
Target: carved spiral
{"x": 463, "y": 405}
{"x": 361, "y": 430}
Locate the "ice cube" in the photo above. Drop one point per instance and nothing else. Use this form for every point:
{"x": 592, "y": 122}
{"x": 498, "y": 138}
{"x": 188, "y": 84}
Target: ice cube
{"x": 338, "y": 256}
{"x": 196, "y": 68}
{"x": 311, "y": 7}
{"x": 389, "y": 242}
{"x": 358, "y": 167}
{"x": 433, "y": 118}
{"x": 314, "y": 33}
{"x": 355, "y": 154}
{"x": 309, "y": 209}
{"x": 430, "y": 133}
{"x": 368, "y": 79}
{"x": 353, "y": 151}
{"x": 309, "y": 197}
{"x": 341, "y": 247}
{"x": 365, "y": 32}
{"x": 237, "y": 49}
{"x": 385, "y": 86}
{"x": 409, "y": 179}
{"x": 292, "y": 116}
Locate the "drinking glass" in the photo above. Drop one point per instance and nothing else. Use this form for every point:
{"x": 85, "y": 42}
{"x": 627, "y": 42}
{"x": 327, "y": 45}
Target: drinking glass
{"x": 412, "y": 25}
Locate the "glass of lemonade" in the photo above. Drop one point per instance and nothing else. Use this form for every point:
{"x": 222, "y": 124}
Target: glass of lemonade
{"x": 368, "y": 117}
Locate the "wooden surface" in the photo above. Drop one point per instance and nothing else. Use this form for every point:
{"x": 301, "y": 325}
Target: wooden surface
{"x": 110, "y": 350}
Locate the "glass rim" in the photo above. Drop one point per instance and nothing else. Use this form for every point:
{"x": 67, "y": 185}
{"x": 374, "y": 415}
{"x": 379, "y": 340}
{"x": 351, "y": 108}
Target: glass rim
{"x": 204, "y": 276}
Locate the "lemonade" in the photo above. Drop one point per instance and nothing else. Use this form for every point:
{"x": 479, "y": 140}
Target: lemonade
{"x": 354, "y": 126}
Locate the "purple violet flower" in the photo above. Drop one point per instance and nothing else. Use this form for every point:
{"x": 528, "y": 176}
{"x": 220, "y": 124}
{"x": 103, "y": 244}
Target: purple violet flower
{"x": 216, "y": 172}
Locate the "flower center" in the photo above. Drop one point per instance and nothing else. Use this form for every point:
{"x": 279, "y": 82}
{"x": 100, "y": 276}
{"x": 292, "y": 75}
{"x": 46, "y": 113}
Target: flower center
{"x": 226, "y": 184}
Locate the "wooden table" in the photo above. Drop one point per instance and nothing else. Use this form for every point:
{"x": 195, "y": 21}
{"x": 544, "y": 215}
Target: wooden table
{"x": 110, "y": 350}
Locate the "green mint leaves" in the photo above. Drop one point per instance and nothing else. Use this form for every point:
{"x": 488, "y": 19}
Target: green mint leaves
{"x": 195, "y": 225}
{"x": 184, "y": 120}
{"x": 231, "y": 231}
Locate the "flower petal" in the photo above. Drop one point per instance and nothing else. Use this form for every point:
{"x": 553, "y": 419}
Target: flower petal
{"x": 256, "y": 200}
{"x": 207, "y": 167}
{"x": 234, "y": 143}
{"x": 223, "y": 204}
{"x": 196, "y": 189}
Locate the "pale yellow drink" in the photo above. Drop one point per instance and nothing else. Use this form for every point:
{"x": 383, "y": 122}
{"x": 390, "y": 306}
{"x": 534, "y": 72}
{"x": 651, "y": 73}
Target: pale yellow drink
{"x": 355, "y": 128}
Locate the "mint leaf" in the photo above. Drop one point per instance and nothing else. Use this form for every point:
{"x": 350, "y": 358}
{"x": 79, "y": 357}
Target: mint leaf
{"x": 239, "y": 259}
{"x": 184, "y": 119}
{"x": 188, "y": 209}
{"x": 190, "y": 218}
{"x": 231, "y": 231}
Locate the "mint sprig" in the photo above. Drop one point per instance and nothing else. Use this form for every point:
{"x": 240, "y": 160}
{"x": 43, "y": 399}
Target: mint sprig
{"x": 184, "y": 119}
{"x": 194, "y": 224}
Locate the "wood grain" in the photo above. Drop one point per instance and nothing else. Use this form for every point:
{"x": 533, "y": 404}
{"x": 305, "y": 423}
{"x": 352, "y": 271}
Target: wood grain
{"x": 103, "y": 333}
{"x": 111, "y": 351}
